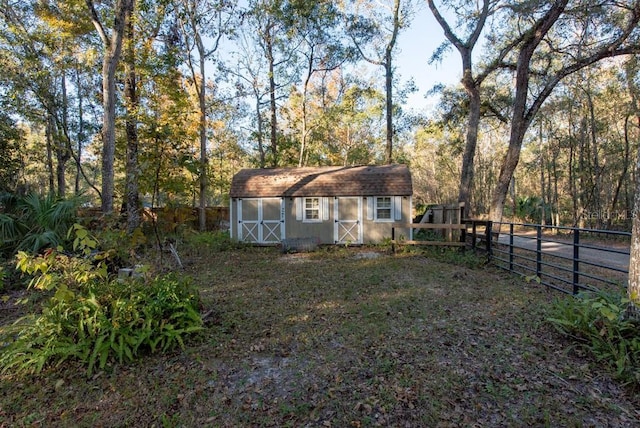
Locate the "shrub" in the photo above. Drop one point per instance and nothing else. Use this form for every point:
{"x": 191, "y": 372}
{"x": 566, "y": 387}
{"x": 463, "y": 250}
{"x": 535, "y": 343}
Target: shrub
{"x": 32, "y": 222}
{"x": 598, "y": 323}
{"x": 95, "y": 320}
{"x": 106, "y": 322}
{"x": 214, "y": 240}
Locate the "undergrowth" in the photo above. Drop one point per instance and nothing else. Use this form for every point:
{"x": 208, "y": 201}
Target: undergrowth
{"x": 598, "y": 323}
{"x": 93, "y": 319}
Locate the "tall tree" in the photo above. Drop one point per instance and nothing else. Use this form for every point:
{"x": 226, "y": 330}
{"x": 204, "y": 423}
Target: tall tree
{"x": 270, "y": 23}
{"x": 605, "y": 31}
{"x": 321, "y": 51}
{"x": 474, "y": 17}
{"x": 203, "y": 18}
{"x": 131, "y": 125}
{"x": 377, "y": 27}
{"x": 40, "y": 52}
{"x": 112, "y": 48}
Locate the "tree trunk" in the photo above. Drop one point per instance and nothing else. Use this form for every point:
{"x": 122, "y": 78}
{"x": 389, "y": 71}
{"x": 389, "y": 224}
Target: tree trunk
{"x": 625, "y": 168}
{"x": 389, "y": 106}
{"x": 131, "y": 95}
{"x": 388, "y": 68}
{"x": 472, "y": 88}
{"x": 473, "y": 123}
{"x": 112, "y": 48}
{"x": 63, "y": 144}
{"x": 80, "y": 134}
{"x": 202, "y": 128}
{"x": 272, "y": 97}
{"x": 49, "y": 137}
{"x": 521, "y": 117}
{"x": 633, "y": 289}
{"x": 260, "y": 136}
{"x": 303, "y": 130}
{"x": 109, "y": 65}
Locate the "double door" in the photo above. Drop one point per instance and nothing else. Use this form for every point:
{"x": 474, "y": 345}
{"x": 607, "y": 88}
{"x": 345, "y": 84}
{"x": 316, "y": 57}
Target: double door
{"x": 261, "y": 221}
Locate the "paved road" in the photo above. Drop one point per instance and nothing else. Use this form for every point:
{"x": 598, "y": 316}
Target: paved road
{"x": 614, "y": 260}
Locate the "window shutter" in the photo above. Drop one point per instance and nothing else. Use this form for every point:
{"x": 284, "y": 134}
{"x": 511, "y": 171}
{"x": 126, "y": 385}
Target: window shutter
{"x": 325, "y": 209}
{"x": 397, "y": 207}
{"x": 299, "y": 209}
{"x": 370, "y": 207}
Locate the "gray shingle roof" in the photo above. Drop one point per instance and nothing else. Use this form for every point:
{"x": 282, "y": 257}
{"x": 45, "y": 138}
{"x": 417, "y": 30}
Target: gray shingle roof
{"x": 383, "y": 180}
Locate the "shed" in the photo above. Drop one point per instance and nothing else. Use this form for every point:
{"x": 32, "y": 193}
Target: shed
{"x": 332, "y": 205}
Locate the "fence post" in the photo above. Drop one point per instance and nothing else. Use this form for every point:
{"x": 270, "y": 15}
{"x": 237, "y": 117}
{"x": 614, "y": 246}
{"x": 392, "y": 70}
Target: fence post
{"x": 576, "y": 260}
{"x": 489, "y": 234}
{"x": 511, "y": 247}
{"x": 393, "y": 239}
{"x": 473, "y": 234}
{"x": 539, "y": 251}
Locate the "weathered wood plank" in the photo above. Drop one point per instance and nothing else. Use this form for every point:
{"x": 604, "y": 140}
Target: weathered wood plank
{"x": 427, "y": 243}
{"x": 430, "y": 226}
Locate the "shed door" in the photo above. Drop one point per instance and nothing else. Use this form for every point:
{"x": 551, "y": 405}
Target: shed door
{"x": 348, "y": 220}
{"x": 261, "y": 221}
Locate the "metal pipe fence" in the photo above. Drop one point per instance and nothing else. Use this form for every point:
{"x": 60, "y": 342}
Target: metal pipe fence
{"x": 567, "y": 259}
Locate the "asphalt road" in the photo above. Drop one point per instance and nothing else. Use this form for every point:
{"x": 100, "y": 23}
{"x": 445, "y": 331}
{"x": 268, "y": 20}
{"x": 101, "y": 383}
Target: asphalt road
{"x": 603, "y": 257}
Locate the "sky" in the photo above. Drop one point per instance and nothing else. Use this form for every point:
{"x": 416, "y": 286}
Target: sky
{"x": 416, "y": 44}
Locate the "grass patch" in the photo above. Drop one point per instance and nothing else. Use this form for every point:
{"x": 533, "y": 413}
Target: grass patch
{"x": 333, "y": 339}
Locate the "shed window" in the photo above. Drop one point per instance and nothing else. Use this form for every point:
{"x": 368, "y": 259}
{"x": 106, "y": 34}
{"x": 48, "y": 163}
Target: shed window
{"x": 312, "y": 209}
{"x": 384, "y": 208}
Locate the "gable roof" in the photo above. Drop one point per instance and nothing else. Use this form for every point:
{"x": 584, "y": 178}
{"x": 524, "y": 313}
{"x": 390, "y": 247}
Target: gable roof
{"x": 383, "y": 180}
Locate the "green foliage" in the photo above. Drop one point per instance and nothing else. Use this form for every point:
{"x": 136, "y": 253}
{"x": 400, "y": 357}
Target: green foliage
{"x": 455, "y": 255}
{"x": 211, "y": 241}
{"x": 10, "y": 140}
{"x": 528, "y": 209}
{"x": 598, "y": 322}
{"x": 92, "y": 319}
{"x": 104, "y": 322}
{"x": 54, "y": 270}
{"x": 34, "y": 222}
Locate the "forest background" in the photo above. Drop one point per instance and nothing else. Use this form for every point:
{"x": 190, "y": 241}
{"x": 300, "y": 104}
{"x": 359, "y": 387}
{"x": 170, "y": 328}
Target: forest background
{"x": 160, "y": 102}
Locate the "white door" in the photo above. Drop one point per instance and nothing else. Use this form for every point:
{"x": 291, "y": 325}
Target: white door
{"x": 261, "y": 221}
{"x": 348, "y": 220}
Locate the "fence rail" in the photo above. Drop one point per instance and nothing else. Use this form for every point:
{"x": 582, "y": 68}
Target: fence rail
{"x": 430, "y": 226}
{"x": 567, "y": 259}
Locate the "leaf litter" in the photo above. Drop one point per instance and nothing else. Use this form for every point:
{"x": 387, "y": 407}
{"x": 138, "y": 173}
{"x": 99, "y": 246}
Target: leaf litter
{"x": 337, "y": 339}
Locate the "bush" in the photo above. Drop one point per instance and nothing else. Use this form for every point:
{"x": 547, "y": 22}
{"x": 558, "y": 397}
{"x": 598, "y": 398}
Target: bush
{"x": 93, "y": 319}
{"x": 32, "y": 222}
{"x": 598, "y": 323}
{"x": 212, "y": 241}
{"x": 106, "y": 322}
